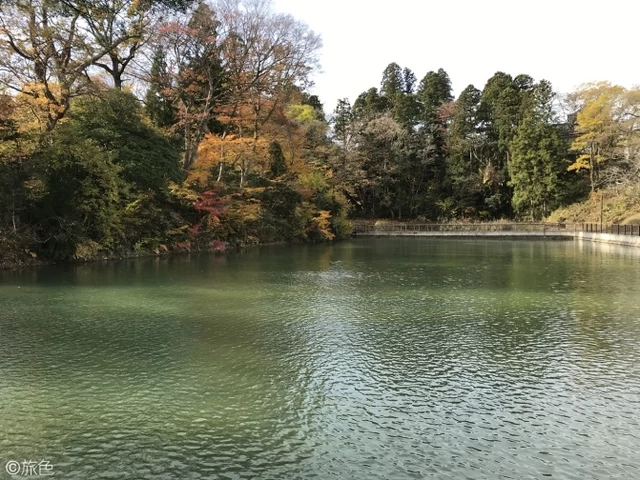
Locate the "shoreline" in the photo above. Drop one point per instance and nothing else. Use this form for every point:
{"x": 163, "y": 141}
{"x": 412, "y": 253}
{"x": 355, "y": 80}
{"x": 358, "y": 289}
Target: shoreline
{"x": 36, "y": 263}
{"x": 592, "y": 237}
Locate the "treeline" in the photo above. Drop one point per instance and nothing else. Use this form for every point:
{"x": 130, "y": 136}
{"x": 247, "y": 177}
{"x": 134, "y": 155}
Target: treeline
{"x": 512, "y": 150}
{"x": 137, "y": 126}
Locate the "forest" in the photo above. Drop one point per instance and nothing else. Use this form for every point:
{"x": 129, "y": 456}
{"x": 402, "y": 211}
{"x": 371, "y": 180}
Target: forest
{"x": 513, "y": 150}
{"x": 132, "y": 127}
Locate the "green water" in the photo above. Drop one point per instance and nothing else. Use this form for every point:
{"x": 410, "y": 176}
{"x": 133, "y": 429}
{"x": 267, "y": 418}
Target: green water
{"x": 390, "y": 358}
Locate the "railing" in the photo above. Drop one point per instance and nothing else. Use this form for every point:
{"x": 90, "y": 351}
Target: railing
{"x": 363, "y": 228}
{"x": 612, "y": 229}
{"x": 396, "y": 228}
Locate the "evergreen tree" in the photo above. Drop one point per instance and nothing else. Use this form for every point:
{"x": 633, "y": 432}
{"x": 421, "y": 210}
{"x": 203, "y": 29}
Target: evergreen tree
{"x": 466, "y": 154}
{"x": 409, "y": 81}
{"x": 342, "y": 123}
{"x": 392, "y": 82}
{"x": 396, "y": 88}
{"x": 535, "y": 165}
{"x": 158, "y": 106}
{"x": 277, "y": 162}
{"x": 433, "y": 92}
{"x": 500, "y": 113}
{"x": 369, "y": 105}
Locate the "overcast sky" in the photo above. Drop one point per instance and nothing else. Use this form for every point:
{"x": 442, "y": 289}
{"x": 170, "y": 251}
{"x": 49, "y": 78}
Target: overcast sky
{"x": 567, "y": 42}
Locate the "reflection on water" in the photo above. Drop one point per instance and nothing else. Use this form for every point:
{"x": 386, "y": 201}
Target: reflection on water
{"x": 390, "y": 358}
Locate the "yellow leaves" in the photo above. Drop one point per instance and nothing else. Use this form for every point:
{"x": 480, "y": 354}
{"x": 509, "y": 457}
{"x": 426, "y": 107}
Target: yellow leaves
{"x": 597, "y": 123}
{"x": 181, "y": 230}
{"x": 232, "y": 151}
{"x": 311, "y": 183}
{"x": 490, "y": 175}
{"x": 582, "y": 162}
{"x": 254, "y": 191}
{"x": 301, "y": 113}
{"x": 321, "y": 225}
{"x": 183, "y": 193}
{"x": 133, "y": 206}
{"x": 33, "y": 107}
{"x": 250, "y": 211}
{"x": 19, "y": 124}
{"x": 240, "y": 217}
{"x": 595, "y": 114}
{"x": 138, "y": 7}
{"x": 35, "y": 188}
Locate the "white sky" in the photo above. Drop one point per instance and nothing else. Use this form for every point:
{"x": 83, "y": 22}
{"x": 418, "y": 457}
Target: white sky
{"x": 567, "y": 42}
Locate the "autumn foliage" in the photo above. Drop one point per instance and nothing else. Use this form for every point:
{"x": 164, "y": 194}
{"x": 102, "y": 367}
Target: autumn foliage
{"x": 105, "y": 154}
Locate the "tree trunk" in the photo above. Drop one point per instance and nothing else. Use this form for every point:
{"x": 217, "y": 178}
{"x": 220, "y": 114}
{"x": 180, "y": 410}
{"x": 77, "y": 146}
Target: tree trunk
{"x": 592, "y": 168}
{"x": 116, "y": 73}
{"x": 243, "y": 171}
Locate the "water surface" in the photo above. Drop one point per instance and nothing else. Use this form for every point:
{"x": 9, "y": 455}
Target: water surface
{"x": 388, "y": 358}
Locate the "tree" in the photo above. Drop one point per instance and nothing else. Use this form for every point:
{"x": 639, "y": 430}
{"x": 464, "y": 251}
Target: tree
{"x": 380, "y": 149}
{"x": 627, "y": 170}
{"x": 306, "y": 129}
{"x": 369, "y": 104}
{"x": 597, "y": 128}
{"x": 267, "y": 55}
{"x": 419, "y": 185}
{"x": 106, "y": 22}
{"x": 392, "y": 84}
{"x": 397, "y": 89}
{"x": 433, "y": 92}
{"x": 536, "y": 155}
{"x": 148, "y": 161}
{"x": 277, "y": 162}
{"x": 16, "y": 167}
{"x": 342, "y": 124}
{"x": 82, "y": 197}
{"x": 196, "y": 75}
{"x": 158, "y": 104}
{"x": 500, "y": 113}
{"x": 44, "y": 55}
{"x": 409, "y": 81}
{"x": 467, "y": 156}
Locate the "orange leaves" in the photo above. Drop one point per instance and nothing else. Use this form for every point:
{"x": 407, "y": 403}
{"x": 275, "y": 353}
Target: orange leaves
{"x": 320, "y": 226}
{"x": 231, "y": 151}
{"x": 34, "y": 109}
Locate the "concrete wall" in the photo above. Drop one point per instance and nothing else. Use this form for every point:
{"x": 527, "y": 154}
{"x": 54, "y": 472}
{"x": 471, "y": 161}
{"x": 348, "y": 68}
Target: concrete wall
{"x": 627, "y": 240}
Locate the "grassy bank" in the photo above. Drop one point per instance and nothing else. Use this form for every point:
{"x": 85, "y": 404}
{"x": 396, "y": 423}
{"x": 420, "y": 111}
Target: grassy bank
{"x": 609, "y": 206}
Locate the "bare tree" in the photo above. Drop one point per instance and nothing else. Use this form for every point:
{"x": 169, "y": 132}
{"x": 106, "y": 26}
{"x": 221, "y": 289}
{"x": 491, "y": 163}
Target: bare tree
{"x": 257, "y": 55}
{"x": 196, "y": 74}
{"x": 44, "y": 53}
{"x": 106, "y": 21}
{"x": 266, "y": 54}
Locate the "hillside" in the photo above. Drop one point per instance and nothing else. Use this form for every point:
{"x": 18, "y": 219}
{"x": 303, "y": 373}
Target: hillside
{"x": 618, "y": 207}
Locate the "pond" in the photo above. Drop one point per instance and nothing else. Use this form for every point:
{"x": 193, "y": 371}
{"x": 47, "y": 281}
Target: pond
{"x": 387, "y": 358}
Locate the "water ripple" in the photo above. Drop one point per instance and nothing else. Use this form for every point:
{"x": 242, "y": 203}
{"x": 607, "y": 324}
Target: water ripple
{"x": 383, "y": 359}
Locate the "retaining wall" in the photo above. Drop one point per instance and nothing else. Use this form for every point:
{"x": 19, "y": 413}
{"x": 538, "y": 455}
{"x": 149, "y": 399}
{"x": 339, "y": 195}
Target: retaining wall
{"x": 626, "y": 240}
